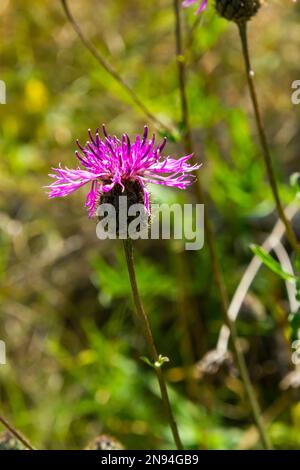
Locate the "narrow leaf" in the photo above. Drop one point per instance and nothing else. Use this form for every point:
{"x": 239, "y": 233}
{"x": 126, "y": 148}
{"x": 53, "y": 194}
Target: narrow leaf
{"x": 271, "y": 263}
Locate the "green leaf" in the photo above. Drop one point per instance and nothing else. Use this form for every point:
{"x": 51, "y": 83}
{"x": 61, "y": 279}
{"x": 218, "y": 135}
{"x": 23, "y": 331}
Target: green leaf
{"x": 147, "y": 361}
{"x": 294, "y": 321}
{"x": 158, "y": 364}
{"x": 295, "y": 183}
{"x": 271, "y": 263}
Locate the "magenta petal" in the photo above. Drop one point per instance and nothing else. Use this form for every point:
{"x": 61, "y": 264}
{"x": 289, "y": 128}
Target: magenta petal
{"x": 92, "y": 198}
{"x": 188, "y": 3}
{"x": 202, "y": 6}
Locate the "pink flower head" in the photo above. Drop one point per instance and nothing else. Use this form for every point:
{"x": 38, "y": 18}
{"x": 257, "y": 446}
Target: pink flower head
{"x": 110, "y": 162}
{"x": 203, "y": 5}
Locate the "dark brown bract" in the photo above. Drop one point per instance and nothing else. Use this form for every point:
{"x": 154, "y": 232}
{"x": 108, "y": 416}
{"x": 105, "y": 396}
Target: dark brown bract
{"x": 132, "y": 193}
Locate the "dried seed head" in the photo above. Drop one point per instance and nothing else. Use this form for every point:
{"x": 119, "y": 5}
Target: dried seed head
{"x": 215, "y": 365}
{"x": 291, "y": 381}
{"x": 239, "y": 11}
{"x": 104, "y": 442}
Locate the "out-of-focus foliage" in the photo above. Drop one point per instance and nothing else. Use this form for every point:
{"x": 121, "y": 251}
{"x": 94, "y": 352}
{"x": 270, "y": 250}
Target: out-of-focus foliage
{"x": 73, "y": 351}
{"x": 9, "y": 442}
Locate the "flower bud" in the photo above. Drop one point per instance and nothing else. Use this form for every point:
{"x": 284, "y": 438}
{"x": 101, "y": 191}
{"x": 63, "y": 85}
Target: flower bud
{"x": 239, "y": 11}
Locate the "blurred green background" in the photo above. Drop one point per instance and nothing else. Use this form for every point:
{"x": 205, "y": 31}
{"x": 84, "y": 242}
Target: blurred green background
{"x": 73, "y": 353}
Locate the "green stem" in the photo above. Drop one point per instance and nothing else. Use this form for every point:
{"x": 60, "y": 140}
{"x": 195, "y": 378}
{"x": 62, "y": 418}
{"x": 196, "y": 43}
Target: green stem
{"x": 263, "y": 139}
{"x": 216, "y": 268}
{"x": 143, "y": 318}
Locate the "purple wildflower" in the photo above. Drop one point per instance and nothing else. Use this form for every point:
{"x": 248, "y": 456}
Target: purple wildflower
{"x": 112, "y": 162}
{"x": 187, "y": 3}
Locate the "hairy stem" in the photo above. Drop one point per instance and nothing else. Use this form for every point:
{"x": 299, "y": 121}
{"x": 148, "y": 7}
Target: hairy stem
{"x": 216, "y": 268}
{"x": 106, "y": 65}
{"x": 145, "y": 324}
{"x": 263, "y": 139}
{"x": 16, "y": 433}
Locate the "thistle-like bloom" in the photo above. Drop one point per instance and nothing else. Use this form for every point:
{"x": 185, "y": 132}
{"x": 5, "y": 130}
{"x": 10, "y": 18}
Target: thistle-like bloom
{"x": 202, "y": 7}
{"x": 111, "y": 164}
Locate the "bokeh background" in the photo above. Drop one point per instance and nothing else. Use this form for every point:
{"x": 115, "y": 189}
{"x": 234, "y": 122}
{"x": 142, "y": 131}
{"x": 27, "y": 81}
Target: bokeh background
{"x": 73, "y": 353}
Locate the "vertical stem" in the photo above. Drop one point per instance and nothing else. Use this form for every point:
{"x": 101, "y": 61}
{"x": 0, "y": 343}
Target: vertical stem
{"x": 263, "y": 139}
{"x": 216, "y": 268}
{"x": 186, "y": 133}
{"x": 16, "y": 433}
{"x": 186, "y": 129}
{"x": 143, "y": 318}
